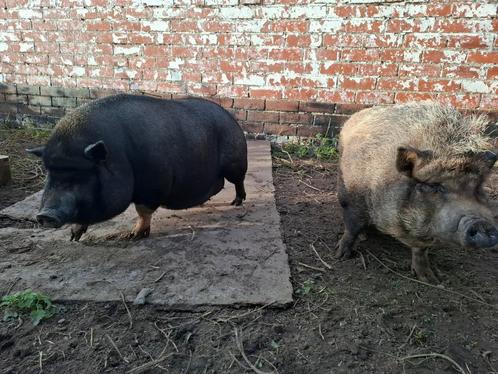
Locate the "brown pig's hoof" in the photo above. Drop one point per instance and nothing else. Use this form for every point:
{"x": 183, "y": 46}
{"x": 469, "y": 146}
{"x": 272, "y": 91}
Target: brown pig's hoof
{"x": 425, "y": 274}
{"x": 343, "y": 253}
{"x": 77, "y": 231}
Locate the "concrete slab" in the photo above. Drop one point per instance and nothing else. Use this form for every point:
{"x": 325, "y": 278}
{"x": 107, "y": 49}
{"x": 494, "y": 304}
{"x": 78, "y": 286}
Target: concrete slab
{"x": 214, "y": 254}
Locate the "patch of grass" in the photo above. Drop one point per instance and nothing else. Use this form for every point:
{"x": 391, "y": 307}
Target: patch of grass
{"x": 319, "y": 147}
{"x": 37, "y": 305}
{"x": 421, "y": 336}
{"x": 306, "y": 287}
{"x": 275, "y": 345}
{"x": 30, "y": 132}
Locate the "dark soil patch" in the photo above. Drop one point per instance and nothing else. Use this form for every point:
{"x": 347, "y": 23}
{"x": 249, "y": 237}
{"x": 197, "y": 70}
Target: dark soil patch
{"x": 357, "y": 317}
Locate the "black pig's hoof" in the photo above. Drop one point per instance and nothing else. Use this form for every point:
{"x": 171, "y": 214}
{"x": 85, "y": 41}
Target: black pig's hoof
{"x": 137, "y": 234}
{"x": 77, "y": 231}
{"x": 237, "y": 201}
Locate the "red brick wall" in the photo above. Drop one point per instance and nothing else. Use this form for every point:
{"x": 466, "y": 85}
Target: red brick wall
{"x": 277, "y": 55}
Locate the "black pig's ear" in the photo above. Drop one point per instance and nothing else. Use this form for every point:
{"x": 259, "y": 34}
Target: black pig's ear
{"x": 409, "y": 158}
{"x": 96, "y": 152}
{"x": 38, "y": 151}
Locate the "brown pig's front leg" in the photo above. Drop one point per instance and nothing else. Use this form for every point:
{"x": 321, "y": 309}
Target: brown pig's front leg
{"x": 421, "y": 266}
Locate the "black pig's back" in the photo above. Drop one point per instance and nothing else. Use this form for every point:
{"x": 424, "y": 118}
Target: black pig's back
{"x": 178, "y": 150}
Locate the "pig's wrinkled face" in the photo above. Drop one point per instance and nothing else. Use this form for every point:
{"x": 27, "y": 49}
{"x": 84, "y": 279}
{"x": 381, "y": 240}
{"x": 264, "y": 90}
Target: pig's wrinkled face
{"x": 73, "y": 190}
{"x": 446, "y": 203}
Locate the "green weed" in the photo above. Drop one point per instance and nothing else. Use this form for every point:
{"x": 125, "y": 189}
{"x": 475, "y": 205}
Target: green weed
{"x": 37, "y": 305}
{"x": 306, "y": 287}
{"x": 319, "y": 147}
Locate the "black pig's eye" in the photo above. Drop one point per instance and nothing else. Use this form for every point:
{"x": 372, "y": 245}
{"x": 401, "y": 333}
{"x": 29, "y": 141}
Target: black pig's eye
{"x": 431, "y": 187}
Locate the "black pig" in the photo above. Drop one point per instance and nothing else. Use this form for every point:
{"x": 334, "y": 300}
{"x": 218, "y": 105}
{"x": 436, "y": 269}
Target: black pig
{"x": 137, "y": 149}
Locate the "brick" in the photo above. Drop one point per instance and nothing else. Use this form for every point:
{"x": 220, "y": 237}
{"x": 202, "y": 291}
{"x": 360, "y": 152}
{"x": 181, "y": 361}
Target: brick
{"x": 469, "y": 41}
{"x": 8, "y": 108}
{"x": 282, "y": 105}
{"x": 258, "y": 116}
{"x": 338, "y": 68}
{"x": 483, "y": 57}
{"x": 246, "y": 103}
{"x": 488, "y": 102}
{"x": 40, "y": 100}
{"x": 310, "y": 131}
{"x": 316, "y": 107}
{"x": 419, "y": 70}
{"x": 28, "y": 90}
{"x": 282, "y": 130}
{"x": 8, "y": 88}
{"x": 296, "y": 118}
{"x": 333, "y": 120}
{"x": 225, "y": 102}
{"x": 461, "y": 71}
{"x": 403, "y": 97}
{"x": 492, "y": 72}
{"x": 28, "y": 109}
{"x": 349, "y": 108}
{"x": 12, "y": 98}
{"x": 64, "y": 101}
{"x": 77, "y": 92}
{"x": 252, "y": 127}
{"x": 357, "y": 83}
{"x": 459, "y": 101}
{"x": 81, "y": 101}
{"x": 376, "y": 70}
{"x": 52, "y": 91}
{"x": 374, "y": 97}
{"x": 239, "y": 114}
{"x": 52, "y": 111}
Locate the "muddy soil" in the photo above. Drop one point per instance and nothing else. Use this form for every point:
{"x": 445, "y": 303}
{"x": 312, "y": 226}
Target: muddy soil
{"x": 364, "y": 315}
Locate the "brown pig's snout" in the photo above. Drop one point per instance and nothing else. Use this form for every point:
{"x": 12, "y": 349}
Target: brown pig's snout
{"x": 479, "y": 233}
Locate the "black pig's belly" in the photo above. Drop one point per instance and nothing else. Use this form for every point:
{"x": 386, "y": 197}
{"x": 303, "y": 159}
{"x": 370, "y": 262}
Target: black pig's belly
{"x": 183, "y": 199}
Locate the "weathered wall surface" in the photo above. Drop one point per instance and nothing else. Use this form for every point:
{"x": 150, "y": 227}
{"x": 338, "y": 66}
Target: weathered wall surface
{"x": 269, "y": 61}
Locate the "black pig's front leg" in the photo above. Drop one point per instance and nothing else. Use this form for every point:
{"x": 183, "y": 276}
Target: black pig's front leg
{"x": 77, "y": 231}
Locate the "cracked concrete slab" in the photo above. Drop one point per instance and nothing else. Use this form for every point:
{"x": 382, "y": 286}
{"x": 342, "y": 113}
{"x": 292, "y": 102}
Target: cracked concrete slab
{"x": 215, "y": 254}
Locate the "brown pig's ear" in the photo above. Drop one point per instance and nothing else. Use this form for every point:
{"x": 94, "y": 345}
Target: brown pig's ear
{"x": 488, "y": 157}
{"x": 96, "y": 152}
{"x": 409, "y": 158}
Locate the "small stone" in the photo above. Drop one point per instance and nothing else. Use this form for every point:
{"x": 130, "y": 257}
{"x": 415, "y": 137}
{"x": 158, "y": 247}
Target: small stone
{"x": 62, "y": 320}
{"x": 140, "y": 299}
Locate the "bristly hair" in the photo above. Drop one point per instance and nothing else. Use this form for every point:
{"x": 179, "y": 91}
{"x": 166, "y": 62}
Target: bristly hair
{"x": 447, "y": 132}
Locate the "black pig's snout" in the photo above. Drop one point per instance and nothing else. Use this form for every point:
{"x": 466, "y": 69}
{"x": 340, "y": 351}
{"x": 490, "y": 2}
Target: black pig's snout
{"x": 481, "y": 234}
{"x": 49, "y": 218}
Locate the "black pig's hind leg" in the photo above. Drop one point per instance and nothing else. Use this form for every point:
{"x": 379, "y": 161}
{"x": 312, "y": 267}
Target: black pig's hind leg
{"x": 240, "y": 193}
{"x": 237, "y": 178}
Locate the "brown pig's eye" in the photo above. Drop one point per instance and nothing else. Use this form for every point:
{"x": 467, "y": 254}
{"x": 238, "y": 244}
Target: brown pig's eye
{"x": 431, "y": 188}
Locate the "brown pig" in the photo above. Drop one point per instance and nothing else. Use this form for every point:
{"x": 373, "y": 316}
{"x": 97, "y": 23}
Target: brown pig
{"x": 415, "y": 172}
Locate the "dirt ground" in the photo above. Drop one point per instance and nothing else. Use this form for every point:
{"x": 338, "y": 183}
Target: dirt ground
{"x": 354, "y": 316}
